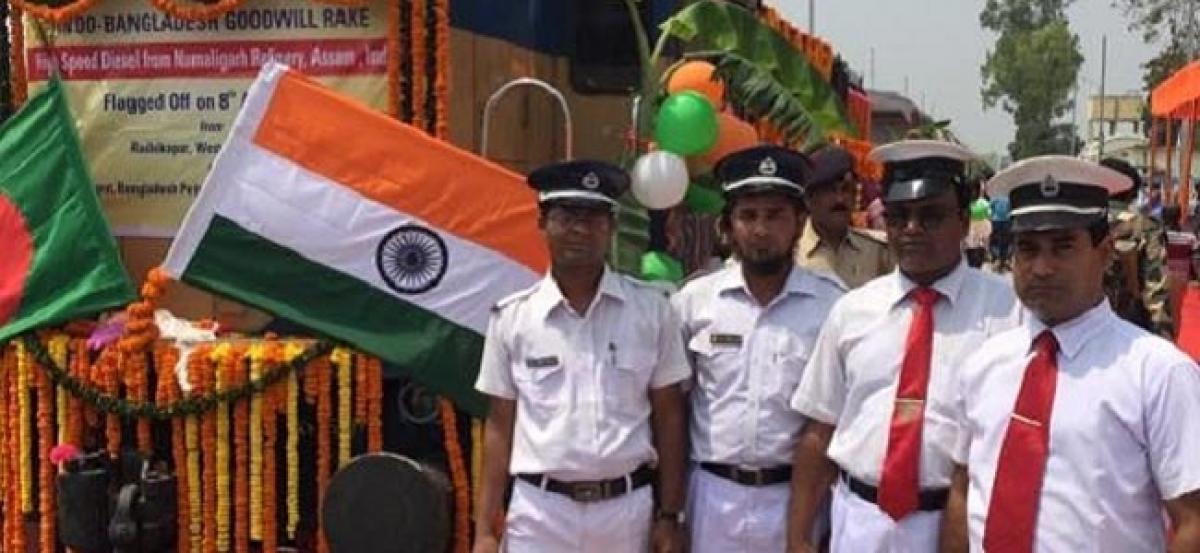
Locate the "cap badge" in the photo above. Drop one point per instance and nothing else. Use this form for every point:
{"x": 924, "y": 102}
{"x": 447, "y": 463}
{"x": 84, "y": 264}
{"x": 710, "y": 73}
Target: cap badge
{"x": 1050, "y": 187}
{"x": 591, "y": 181}
{"x": 768, "y": 167}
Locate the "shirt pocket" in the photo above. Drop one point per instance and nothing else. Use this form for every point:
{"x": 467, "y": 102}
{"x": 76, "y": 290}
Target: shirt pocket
{"x": 627, "y": 382}
{"x": 715, "y": 364}
{"x": 541, "y": 384}
{"x": 783, "y": 376}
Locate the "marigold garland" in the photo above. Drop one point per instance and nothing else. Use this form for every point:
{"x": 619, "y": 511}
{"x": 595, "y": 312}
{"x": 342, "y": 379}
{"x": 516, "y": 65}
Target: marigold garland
{"x": 165, "y": 362}
{"x": 322, "y": 371}
{"x": 104, "y": 374}
{"x": 16, "y": 56}
{"x": 220, "y": 359}
{"x": 241, "y": 454}
{"x": 292, "y": 446}
{"x": 58, "y": 347}
{"x": 8, "y": 370}
{"x": 199, "y": 12}
{"x": 393, "y": 59}
{"x": 458, "y": 477}
{"x": 13, "y": 516}
{"x": 343, "y": 404}
{"x": 273, "y": 353}
{"x": 136, "y": 386}
{"x": 80, "y": 412}
{"x": 47, "y": 539}
{"x": 208, "y": 454}
{"x": 375, "y": 410}
{"x": 441, "y": 84}
{"x": 417, "y": 51}
{"x": 24, "y": 449}
{"x": 256, "y": 446}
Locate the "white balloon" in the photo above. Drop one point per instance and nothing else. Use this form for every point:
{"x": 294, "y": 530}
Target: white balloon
{"x": 660, "y": 180}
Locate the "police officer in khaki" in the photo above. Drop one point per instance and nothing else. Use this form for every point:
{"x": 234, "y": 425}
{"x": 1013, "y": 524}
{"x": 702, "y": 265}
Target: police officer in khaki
{"x": 749, "y": 328}
{"x": 829, "y": 244}
{"x": 583, "y": 373}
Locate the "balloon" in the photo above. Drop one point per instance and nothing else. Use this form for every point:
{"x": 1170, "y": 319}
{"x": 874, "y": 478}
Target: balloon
{"x": 660, "y": 180}
{"x": 697, "y": 76}
{"x": 980, "y": 210}
{"x": 733, "y": 134}
{"x": 660, "y": 266}
{"x": 686, "y": 124}
{"x": 703, "y": 199}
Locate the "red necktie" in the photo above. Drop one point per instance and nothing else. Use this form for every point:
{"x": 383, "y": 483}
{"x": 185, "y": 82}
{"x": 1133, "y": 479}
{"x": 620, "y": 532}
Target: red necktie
{"x": 899, "y": 480}
{"x": 1012, "y": 513}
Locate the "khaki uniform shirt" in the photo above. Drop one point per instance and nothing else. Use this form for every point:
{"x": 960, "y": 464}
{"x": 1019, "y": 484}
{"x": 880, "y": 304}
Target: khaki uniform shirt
{"x": 860, "y": 257}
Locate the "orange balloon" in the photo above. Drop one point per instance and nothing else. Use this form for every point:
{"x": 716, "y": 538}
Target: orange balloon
{"x": 697, "y": 76}
{"x": 733, "y": 134}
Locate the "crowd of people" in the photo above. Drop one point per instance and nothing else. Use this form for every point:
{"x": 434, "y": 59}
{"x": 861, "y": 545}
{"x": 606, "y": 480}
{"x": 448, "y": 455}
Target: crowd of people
{"x": 832, "y": 388}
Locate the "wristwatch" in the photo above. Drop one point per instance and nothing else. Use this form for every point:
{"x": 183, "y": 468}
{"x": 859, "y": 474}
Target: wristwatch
{"x": 678, "y": 517}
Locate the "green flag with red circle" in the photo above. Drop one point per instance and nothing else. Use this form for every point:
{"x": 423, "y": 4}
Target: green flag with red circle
{"x": 58, "y": 260}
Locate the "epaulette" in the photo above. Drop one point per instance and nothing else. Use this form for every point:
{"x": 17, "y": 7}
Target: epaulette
{"x": 513, "y": 297}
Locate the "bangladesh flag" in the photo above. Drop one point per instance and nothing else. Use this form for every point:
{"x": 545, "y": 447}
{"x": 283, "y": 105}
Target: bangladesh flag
{"x": 58, "y": 259}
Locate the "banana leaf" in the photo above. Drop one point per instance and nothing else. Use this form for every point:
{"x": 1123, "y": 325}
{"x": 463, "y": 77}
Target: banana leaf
{"x": 762, "y": 68}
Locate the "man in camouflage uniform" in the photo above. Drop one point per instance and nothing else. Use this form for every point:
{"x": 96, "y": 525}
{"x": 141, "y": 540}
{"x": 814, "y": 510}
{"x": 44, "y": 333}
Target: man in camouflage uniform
{"x": 1136, "y": 281}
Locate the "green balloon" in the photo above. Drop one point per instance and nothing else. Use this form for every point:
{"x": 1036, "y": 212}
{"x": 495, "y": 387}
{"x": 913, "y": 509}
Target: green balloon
{"x": 660, "y": 266}
{"x": 686, "y": 124}
{"x": 703, "y": 199}
{"x": 980, "y": 209}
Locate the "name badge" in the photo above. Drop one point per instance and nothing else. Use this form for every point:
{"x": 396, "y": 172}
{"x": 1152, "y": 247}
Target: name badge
{"x": 541, "y": 362}
{"x": 726, "y": 340}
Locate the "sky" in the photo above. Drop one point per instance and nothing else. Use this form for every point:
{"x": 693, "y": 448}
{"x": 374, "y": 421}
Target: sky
{"x": 939, "y": 46}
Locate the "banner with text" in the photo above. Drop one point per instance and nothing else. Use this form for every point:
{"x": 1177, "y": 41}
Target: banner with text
{"x": 155, "y": 95}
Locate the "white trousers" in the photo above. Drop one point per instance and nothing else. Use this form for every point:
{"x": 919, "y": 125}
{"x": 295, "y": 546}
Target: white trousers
{"x": 541, "y": 521}
{"x": 727, "y": 517}
{"x": 859, "y": 526}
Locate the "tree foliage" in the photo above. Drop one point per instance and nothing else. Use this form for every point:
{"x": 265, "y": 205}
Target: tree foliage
{"x": 1030, "y": 72}
{"x": 1175, "y": 24}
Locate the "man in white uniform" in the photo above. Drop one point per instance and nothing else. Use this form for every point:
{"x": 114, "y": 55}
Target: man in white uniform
{"x": 583, "y": 371}
{"x": 749, "y": 328}
{"x": 878, "y": 388}
{"x": 1077, "y": 428}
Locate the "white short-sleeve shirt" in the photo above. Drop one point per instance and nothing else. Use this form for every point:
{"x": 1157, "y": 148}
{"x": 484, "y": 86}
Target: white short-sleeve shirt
{"x": 747, "y": 360}
{"x": 851, "y": 378}
{"x": 582, "y": 381}
{"x": 1123, "y": 434}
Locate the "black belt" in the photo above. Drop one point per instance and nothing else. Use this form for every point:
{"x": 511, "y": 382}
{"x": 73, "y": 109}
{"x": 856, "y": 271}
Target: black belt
{"x": 593, "y": 490}
{"x": 927, "y": 500}
{"x": 750, "y": 477}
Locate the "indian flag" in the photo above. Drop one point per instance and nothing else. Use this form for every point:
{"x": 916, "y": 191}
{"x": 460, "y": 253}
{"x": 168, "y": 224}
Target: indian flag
{"x": 353, "y": 224}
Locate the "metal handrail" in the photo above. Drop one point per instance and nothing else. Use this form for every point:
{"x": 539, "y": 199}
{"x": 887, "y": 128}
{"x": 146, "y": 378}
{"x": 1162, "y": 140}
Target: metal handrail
{"x": 525, "y": 81}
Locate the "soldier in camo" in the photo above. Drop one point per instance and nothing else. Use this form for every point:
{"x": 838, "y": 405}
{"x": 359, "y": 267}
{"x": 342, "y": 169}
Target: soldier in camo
{"x": 1136, "y": 281}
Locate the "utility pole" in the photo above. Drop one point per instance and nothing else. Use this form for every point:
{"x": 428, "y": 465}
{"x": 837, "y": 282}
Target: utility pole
{"x": 1103, "y": 68}
{"x": 812, "y": 18}
{"x": 872, "y": 66}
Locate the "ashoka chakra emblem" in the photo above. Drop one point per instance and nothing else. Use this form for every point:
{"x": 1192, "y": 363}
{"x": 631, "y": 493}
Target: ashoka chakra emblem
{"x": 412, "y": 259}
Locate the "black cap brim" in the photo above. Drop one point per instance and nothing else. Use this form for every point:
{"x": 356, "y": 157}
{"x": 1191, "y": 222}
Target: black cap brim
{"x": 907, "y": 191}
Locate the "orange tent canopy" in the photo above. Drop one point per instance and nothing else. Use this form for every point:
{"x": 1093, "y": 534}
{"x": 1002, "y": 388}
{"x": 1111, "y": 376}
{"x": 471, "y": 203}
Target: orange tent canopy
{"x": 1175, "y": 97}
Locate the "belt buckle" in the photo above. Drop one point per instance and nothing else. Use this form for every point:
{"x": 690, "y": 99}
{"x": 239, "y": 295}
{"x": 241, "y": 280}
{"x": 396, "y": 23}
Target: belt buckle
{"x": 587, "y": 492}
{"x": 755, "y": 476}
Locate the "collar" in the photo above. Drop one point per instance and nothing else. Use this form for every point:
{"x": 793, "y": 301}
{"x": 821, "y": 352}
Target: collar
{"x": 548, "y": 295}
{"x": 1075, "y": 333}
{"x": 798, "y": 281}
{"x": 948, "y": 286}
{"x": 810, "y": 240}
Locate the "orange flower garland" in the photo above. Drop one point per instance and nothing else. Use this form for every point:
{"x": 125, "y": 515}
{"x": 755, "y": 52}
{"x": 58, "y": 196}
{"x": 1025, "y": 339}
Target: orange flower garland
{"x": 395, "y": 90}
{"x": 322, "y": 369}
{"x": 8, "y": 368}
{"x": 46, "y": 470}
{"x": 136, "y": 386}
{"x": 208, "y": 456}
{"x": 375, "y": 409}
{"x": 256, "y": 446}
{"x": 273, "y": 357}
{"x": 241, "y": 454}
{"x": 165, "y": 359}
{"x": 199, "y": 12}
{"x": 59, "y": 15}
{"x": 417, "y": 51}
{"x": 458, "y": 477}
{"x": 16, "y": 55}
{"x": 441, "y": 84}
{"x": 104, "y": 375}
{"x": 15, "y": 530}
